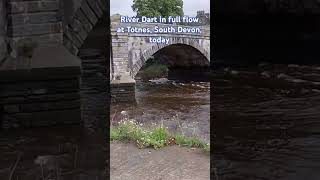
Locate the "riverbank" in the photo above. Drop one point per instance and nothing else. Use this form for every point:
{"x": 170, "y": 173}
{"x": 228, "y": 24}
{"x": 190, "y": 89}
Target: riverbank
{"x": 156, "y": 137}
{"x": 172, "y": 162}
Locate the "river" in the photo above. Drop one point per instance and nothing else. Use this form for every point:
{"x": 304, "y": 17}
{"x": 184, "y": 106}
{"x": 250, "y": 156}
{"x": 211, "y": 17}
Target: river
{"x": 182, "y": 107}
{"x": 266, "y": 122}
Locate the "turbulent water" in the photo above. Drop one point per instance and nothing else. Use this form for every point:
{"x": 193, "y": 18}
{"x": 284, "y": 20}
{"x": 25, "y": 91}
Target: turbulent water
{"x": 267, "y": 122}
{"x": 183, "y": 107}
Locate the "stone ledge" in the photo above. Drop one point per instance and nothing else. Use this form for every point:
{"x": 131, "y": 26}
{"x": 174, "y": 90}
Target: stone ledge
{"x": 123, "y": 90}
{"x": 46, "y": 63}
{"x": 125, "y": 79}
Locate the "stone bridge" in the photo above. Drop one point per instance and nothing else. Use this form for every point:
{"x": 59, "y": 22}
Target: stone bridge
{"x": 40, "y": 72}
{"x": 130, "y": 51}
{"x": 39, "y": 68}
{"x": 50, "y": 22}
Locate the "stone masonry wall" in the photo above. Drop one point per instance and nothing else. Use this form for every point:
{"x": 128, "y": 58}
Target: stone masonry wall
{"x": 120, "y": 53}
{"x": 3, "y": 28}
{"x": 82, "y": 22}
{"x": 122, "y": 92}
{"x": 40, "y": 91}
{"x": 131, "y": 50}
{"x": 38, "y": 21}
{"x": 40, "y": 103}
{"x": 94, "y": 88}
{"x": 52, "y": 22}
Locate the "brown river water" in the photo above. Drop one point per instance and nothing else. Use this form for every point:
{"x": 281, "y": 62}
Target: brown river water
{"x": 182, "y": 107}
{"x": 266, "y": 122}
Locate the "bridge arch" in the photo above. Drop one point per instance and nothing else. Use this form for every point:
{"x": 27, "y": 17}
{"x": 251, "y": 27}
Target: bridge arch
{"x": 82, "y": 23}
{"x": 147, "y": 53}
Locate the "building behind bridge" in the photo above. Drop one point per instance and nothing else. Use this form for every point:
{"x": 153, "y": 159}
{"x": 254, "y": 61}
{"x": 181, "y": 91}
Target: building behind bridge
{"x": 204, "y": 18}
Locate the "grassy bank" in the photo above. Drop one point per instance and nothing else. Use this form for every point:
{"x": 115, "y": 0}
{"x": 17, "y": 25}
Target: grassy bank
{"x": 157, "y": 137}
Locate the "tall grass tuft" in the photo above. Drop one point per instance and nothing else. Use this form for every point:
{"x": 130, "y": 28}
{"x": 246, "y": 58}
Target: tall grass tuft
{"x": 156, "y": 137}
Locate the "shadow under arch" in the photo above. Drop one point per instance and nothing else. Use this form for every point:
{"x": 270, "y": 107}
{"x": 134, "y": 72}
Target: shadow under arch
{"x": 151, "y": 51}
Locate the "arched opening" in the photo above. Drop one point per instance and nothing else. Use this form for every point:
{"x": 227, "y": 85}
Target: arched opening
{"x": 175, "y": 62}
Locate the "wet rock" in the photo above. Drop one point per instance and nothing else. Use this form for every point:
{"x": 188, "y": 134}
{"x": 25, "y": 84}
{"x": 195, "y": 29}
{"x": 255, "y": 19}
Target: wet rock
{"x": 124, "y": 113}
{"x": 48, "y": 161}
{"x": 159, "y": 81}
{"x": 227, "y": 69}
{"x": 266, "y": 74}
{"x": 263, "y": 64}
{"x": 234, "y": 72}
{"x": 304, "y": 91}
{"x": 283, "y": 76}
{"x": 293, "y": 66}
{"x": 315, "y": 90}
{"x": 298, "y": 81}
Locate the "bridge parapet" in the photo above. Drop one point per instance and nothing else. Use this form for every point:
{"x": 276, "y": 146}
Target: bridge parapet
{"x": 205, "y": 30}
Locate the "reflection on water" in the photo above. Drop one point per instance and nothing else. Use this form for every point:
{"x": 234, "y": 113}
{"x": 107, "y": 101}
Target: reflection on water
{"x": 183, "y": 107}
{"x": 266, "y": 123}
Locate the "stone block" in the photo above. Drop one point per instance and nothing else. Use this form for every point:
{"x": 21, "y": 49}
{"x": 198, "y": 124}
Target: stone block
{"x": 34, "y": 29}
{"x": 72, "y": 36}
{"x": 42, "y": 119}
{"x": 84, "y": 21}
{"x": 40, "y": 40}
{"x": 94, "y": 4}
{"x": 69, "y": 45}
{"x": 103, "y": 4}
{"x": 88, "y": 12}
{"x": 33, "y": 18}
{"x": 78, "y": 28}
{"x": 123, "y": 90}
{"x": 3, "y": 43}
{"x": 15, "y": 121}
{"x": 53, "y": 97}
{"x": 48, "y": 106}
{"x": 11, "y": 108}
{"x": 33, "y": 6}
{"x": 12, "y": 100}
{"x": 3, "y": 48}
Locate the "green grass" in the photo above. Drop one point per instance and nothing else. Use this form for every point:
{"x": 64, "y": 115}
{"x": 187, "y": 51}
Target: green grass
{"x": 158, "y": 137}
